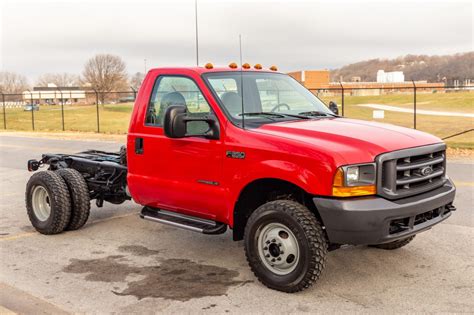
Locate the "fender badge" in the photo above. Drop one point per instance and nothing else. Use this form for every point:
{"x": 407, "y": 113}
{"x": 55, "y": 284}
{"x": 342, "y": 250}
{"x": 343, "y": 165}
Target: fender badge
{"x": 235, "y": 155}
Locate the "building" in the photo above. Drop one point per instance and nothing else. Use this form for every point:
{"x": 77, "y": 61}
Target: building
{"x": 53, "y": 94}
{"x": 312, "y": 79}
{"x": 318, "y": 81}
{"x": 390, "y": 77}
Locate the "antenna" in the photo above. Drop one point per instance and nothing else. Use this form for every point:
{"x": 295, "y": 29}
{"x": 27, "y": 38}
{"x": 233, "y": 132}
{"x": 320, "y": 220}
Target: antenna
{"x": 241, "y": 82}
{"x": 197, "y": 40}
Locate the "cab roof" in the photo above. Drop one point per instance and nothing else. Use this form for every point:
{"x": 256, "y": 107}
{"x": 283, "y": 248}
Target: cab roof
{"x": 202, "y": 70}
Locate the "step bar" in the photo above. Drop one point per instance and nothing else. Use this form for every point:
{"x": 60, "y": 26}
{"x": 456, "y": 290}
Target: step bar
{"x": 182, "y": 221}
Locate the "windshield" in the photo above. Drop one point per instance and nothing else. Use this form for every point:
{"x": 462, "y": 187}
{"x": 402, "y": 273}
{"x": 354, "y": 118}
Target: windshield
{"x": 267, "y": 97}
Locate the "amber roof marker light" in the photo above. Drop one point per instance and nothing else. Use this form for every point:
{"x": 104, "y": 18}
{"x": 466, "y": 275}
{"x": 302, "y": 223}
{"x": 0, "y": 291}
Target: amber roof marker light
{"x": 208, "y": 65}
{"x": 258, "y": 66}
{"x": 233, "y": 65}
{"x": 274, "y": 68}
{"x": 246, "y": 66}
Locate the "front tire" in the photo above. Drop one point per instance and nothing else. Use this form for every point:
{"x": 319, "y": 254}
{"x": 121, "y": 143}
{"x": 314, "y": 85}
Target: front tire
{"x": 395, "y": 244}
{"x": 48, "y": 202}
{"x": 285, "y": 246}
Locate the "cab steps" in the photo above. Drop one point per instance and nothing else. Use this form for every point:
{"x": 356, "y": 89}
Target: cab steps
{"x": 183, "y": 221}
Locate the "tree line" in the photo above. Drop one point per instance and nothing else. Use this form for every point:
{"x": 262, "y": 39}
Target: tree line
{"x": 102, "y": 73}
{"x": 415, "y": 67}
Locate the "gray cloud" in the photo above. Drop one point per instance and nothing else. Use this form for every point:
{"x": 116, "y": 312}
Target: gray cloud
{"x": 52, "y": 36}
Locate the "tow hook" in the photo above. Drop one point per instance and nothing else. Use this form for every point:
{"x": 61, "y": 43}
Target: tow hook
{"x": 450, "y": 207}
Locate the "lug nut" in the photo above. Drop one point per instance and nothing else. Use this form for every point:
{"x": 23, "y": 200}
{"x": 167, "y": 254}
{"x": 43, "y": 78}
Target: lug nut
{"x": 279, "y": 244}
{"x": 267, "y": 255}
{"x": 279, "y": 258}
{"x": 273, "y": 259}
{"x": 282, "y": 252}
{"x": 273, "y": 240}
{"x": 265, "y": 248}
{"x": 267, "y": 242}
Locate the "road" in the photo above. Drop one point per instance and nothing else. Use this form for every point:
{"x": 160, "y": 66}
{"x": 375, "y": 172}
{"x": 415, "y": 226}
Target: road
{"x": 122, "y": 264}
{"x": 418, "y": 111}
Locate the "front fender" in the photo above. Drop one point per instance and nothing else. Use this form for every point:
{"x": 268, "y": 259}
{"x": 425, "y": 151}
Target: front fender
{"x": 294, "y": 173}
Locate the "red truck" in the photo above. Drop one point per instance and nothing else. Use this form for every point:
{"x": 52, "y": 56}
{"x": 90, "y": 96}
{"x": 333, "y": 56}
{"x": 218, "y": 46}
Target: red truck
{"x": 253, "y": 150}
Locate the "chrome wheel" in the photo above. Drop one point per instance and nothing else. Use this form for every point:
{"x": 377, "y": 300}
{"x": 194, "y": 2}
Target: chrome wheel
{"x": 41, "y": 203}
{"x": 278, "y": 248}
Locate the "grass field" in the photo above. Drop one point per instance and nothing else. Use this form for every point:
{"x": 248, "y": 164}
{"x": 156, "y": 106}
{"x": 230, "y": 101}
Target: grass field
{"x": 114, "y": 118}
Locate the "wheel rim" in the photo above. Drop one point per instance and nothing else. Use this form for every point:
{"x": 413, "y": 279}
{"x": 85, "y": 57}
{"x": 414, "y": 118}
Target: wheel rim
{"x": 41, "y": 203}
{"x": 278, "y": 248}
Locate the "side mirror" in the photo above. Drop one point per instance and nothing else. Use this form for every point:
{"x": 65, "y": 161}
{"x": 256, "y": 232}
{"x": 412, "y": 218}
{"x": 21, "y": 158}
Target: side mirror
{"x": 177, "y": 119}
{"x": 333, "y": 107}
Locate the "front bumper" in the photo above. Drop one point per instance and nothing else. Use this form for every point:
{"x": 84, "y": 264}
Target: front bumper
{"x": 375, "y": 220}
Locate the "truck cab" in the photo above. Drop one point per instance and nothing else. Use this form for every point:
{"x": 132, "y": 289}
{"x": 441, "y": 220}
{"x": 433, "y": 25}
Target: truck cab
{"x": 253, "y": 150}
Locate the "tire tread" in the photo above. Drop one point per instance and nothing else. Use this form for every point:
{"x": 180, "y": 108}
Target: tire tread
{"x": 313, "y": 233}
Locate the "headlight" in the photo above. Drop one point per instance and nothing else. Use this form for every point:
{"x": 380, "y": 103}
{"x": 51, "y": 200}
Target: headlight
{"x": 354, "y": 180}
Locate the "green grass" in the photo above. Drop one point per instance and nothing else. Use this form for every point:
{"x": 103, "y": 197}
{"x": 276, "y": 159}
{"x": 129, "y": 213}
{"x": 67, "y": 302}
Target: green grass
{"x": 114, "y": 118}
{"x": 441, "y": 126}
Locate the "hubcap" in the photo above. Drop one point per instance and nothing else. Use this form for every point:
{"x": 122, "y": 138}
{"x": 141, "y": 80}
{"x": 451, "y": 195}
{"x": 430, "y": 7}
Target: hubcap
{"x": 41, "y": 203}
{"x": 278, "y": 248}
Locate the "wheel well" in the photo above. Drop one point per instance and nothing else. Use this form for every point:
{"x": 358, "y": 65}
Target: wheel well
{"x": 262, "y": 191}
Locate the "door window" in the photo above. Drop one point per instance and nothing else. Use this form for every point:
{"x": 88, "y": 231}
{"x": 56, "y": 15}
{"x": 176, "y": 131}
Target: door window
{"x": 174, "y": 90}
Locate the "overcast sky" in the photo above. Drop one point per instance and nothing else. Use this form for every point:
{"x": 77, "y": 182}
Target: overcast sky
{"x": 59, "y": 36}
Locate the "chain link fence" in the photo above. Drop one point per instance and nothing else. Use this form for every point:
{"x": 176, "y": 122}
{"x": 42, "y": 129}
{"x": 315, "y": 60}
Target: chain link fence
{"x": 447, "y": 112}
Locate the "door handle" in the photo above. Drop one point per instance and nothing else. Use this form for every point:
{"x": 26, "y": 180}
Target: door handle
{"x": 138, "y": 145}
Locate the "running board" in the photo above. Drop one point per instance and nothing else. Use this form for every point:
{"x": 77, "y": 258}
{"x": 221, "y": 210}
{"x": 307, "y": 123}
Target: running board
{"x": 183, "y": 221}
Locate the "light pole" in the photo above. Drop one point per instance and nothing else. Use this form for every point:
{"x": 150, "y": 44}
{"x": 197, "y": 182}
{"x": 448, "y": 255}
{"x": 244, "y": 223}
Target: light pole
{"x": 197, "y": 40}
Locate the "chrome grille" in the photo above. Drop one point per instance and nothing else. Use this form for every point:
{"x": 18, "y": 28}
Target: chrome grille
{"x": 411, "y": 171}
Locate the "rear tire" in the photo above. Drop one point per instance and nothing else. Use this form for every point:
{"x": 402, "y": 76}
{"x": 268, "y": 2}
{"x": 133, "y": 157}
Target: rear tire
{"x": 395, "y": 245}
{"x": 285, "y": 246}
{"x": 80, "y": 198}
{"x": 48, "y": 202}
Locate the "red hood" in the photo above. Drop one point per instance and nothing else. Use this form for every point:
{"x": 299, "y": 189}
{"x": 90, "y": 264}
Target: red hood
{"x": 352, "y": 139}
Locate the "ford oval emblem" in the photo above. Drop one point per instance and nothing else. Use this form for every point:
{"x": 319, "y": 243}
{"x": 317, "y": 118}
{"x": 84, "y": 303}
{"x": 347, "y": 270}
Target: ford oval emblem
{"x": 427, "y": 170}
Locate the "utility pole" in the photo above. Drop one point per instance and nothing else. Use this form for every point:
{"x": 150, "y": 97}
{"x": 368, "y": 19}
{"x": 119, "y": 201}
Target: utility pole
{"x": 197, "y": 40}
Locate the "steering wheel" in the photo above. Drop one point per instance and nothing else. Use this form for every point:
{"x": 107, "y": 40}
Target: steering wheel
{"x": 280, "y": 105}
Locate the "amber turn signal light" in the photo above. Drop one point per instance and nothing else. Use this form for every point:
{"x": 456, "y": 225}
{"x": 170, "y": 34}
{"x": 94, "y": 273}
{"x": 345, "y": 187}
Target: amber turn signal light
{"x": 339, "y": 190}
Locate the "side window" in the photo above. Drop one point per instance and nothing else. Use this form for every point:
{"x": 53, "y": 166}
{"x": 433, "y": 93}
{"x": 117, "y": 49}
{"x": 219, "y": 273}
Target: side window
{"x": 173, "y": 90}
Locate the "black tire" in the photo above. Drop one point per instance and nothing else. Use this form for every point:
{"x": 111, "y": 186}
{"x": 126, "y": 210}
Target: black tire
{"x": 58, "y": 200}
{"x": 395, "y": 244}
{"x": 309, "y": 235}
{"x": 80, "y": 198}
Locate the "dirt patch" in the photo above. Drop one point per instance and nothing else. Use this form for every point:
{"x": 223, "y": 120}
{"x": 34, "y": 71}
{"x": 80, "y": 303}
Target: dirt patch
{"x": 175, "y": 279}
{"x": 138, "y": 250}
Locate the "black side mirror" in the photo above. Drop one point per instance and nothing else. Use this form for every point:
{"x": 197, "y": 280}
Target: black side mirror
{"x": 177, "y": 119}
{"x": 333, "y": 107}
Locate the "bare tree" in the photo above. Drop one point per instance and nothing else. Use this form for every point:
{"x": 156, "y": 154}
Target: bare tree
{"x": 136, "y": 80}
{"x": 59, "y": 79}
{"x": 12, "y": 83}
{"x": 105, "y": 73}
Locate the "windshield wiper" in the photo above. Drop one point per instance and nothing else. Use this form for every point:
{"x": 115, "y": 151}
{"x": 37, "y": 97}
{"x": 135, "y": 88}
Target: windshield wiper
{"x": 273, "y": 114}
{"x": 315, "y": 113}
{"x": 262, "y": 114}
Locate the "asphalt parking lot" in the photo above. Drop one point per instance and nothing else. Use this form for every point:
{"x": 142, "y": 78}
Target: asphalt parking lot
{"x": 122, "y": 264}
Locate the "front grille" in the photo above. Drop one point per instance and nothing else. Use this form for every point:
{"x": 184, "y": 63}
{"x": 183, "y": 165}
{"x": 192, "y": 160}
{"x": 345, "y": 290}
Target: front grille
{"x": 412, "y": 171}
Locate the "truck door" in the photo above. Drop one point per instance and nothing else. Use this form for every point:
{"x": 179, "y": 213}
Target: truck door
{"x": 176, "y": 174}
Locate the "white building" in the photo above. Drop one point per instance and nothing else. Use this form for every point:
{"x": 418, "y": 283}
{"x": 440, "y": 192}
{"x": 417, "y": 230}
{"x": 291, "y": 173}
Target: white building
{"x": 53, "y": 94}
{"x": 390, "y": 77}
